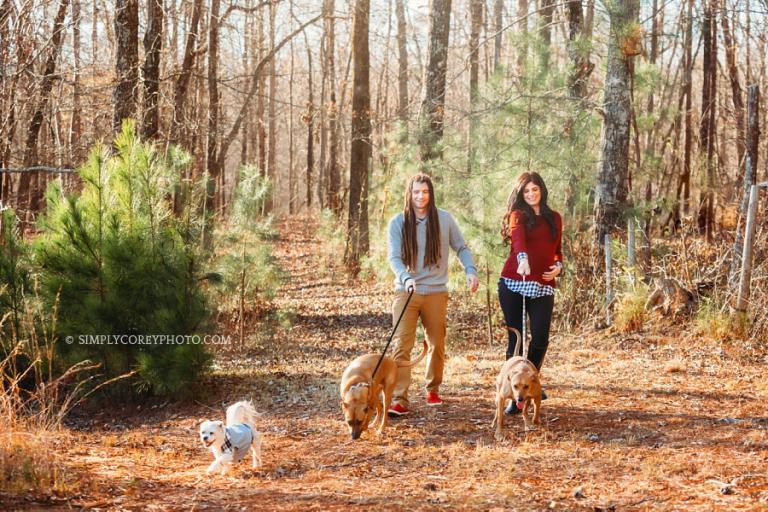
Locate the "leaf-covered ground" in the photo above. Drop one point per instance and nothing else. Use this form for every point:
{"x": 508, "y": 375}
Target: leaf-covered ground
{"x": 657, "y": 421}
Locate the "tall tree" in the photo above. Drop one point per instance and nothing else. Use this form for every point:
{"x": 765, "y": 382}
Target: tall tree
{"x": 476, "y": 23}
{"x": 582, "y": 67}
{"x": 333, "y": 174}
{"x": 433, "y": 104}
{"x": 612, "y": 189}
{"x": 261, "y": 124}
{"x": 310, "y": 120}
{"x": 181, "y": 87}
{"x": 291, "y": 172}
{"x": 708, "y": 115}
{"x": 153, "y": 45}
{"x": 127, "y": 63}
{"x": 28, "y": 196}
{"x": 360, "y": 147}
{"x": 402, "y": 69}
{"x": 736, "y": 92}
{"x": 749, "y": 179}
{"x": 685, "y": 180}
{"x": 498, "y": 20}
{"x": 76, "y": 128}
{"x": 545, "y": 34}
{"x": 212, "y": 146}
{"x": 272, "y": 105}
{"x": 522, "y": 28}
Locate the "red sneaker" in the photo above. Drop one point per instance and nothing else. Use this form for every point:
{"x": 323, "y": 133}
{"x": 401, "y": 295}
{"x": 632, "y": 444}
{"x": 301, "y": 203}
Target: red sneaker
{"x": 397, "y": 410}
{"x": 434, "y": 399}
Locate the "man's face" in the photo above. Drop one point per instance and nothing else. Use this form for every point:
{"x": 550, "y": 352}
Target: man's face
{"x": 420, "y": 196}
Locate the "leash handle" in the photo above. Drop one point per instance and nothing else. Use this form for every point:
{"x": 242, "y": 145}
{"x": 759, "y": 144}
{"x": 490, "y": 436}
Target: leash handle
{"x": 525, "y": 333}
{"x": 410, "y": 294}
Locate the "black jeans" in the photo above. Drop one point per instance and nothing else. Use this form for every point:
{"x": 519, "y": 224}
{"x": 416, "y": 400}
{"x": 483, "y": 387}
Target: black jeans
{"x": 539, "y": 310}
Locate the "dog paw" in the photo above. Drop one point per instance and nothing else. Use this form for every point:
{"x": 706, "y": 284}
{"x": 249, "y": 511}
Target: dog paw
{"x": 499, "y": 436}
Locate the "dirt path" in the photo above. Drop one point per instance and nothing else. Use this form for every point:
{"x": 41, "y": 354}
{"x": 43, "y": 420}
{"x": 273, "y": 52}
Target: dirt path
{"x": 633, "y": 422}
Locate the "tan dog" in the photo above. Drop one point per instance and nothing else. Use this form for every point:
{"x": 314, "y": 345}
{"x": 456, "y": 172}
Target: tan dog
{"x": 360, "y": 396}
{"x": 518, "y": 380}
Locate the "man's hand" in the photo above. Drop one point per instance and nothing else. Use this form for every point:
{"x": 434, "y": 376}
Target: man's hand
{"x": 523, "y": 268}
{"x": 472, "y": 282}
{"x": 410, "y": 285}
{"x": 554, "y": 271}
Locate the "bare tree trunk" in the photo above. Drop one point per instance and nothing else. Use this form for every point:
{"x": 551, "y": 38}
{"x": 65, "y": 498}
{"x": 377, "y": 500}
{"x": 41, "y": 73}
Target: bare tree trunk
{"x": 433, "y": 104}
{"x": 212, "y": 156}
{"x": 737, "y": 94}
{"x": 321, "y": 168}
{"x": 310, "y": 118}
{"x": 582, "y": 67}
{"x": 248, "y": 71}
{"x": 180, "y": 120}
{"x": 522, "y": 27}
{"x": 333, "y": 198}
{"x": 127, "y": 65}
{"x": 402, "y": 74}
{"x": 153, "y": 46}
{"x": 291, "y": 173}
{"x": 476, "y": 23}
{"x": 749, "y": 179}
{"x": 173, "y": 34}
{"x": 545, "y": 34}
{"x": 76, "y": 128}
{"x": 360, "y": 150}
{"x": 498, "y": 12}
{"x": 612, "y": 180}
{"x": 708, "y": 111}
{"x": 30, "y": 198}
{"x": 261, "y": 125}
{"x": 94, "y": 33}
{"x": 688, "y": 88}
{"x": 272, "y": 118}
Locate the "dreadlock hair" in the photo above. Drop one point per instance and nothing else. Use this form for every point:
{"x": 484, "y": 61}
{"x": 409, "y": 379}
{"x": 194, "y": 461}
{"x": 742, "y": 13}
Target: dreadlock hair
{"x": 410, "y": 249}
{"x": 516, "y": 202}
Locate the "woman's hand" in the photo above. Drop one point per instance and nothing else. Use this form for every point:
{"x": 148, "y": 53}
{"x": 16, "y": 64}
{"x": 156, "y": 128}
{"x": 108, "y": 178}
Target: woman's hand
{"x": 554, "y": 271}
{"x": 523, "y": 268}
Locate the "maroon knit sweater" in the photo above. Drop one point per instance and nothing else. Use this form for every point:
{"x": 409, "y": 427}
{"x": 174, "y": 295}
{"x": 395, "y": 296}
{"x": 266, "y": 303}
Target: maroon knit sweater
{"x": 537, "y": 243}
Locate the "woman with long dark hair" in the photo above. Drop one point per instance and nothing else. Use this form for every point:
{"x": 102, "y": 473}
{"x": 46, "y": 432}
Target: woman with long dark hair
{"x": 419, "y": 239}
{"x": 534, "y": 233}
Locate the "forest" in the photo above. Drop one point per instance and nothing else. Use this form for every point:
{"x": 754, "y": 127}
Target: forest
{"x": 195, "y": 198}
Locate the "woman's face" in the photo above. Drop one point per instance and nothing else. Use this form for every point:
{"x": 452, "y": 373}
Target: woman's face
{"x": 532, "y": 194}
{"x": 419, "y": 196}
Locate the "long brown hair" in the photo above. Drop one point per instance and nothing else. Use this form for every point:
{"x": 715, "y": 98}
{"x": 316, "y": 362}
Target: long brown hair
{"x": 516, "y": 202}
{"x": 410, "y": 248}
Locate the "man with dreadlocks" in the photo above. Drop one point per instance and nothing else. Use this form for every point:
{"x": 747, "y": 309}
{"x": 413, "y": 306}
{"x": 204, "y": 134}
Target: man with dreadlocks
{"x": 418, "y": 255}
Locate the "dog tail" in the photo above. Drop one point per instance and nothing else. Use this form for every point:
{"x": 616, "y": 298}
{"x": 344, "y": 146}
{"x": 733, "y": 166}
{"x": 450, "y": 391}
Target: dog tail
{"x": 519, "y": 339}
{"x": 242, "y": 412}
{"x": 408, "y": 364}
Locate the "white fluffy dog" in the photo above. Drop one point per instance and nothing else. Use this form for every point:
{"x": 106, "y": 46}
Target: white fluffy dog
{"x": 230, "y": 443}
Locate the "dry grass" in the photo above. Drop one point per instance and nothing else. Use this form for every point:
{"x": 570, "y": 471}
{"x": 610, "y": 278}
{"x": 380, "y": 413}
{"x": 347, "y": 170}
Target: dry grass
{"x": 659, "y": 420}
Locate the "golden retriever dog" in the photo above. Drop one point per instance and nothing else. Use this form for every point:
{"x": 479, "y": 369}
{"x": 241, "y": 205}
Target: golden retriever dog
{"x": 361, "y": 396}
{"x": 518, "y": 380}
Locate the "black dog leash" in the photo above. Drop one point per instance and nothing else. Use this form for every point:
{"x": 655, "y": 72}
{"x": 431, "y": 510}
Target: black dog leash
{"x": 410, "y": 294}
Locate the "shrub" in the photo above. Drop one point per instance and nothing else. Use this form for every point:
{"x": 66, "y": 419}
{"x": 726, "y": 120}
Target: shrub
{"x": 121, "y": 264}
{"x": 14, "y": 275}
{"x": 249, "y": 273}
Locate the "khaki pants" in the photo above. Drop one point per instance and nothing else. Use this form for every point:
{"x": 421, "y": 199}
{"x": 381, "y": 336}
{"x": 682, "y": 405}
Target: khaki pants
{"x": 432, "y": 311}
